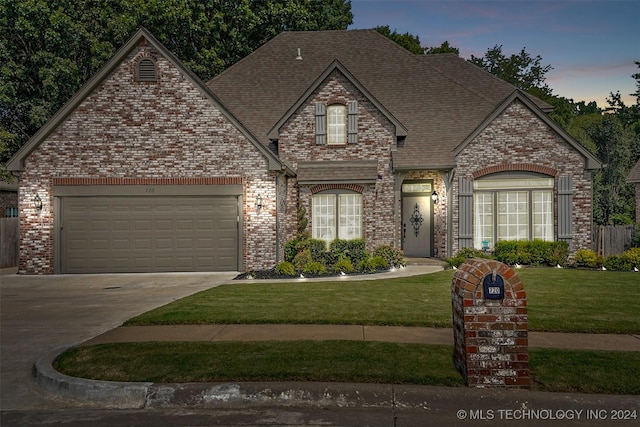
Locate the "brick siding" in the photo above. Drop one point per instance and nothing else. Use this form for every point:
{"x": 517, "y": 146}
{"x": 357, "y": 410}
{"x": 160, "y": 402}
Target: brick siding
{"x": 127, "y": 130}
{"x": 518, "y": 140}
{"x": 491, "y": 337}
{"x": 376, "y": 136}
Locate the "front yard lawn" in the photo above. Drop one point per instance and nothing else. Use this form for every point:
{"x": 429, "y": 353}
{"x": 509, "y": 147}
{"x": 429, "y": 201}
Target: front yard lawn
{"x": 340, "y": 361}
{"x": 561, "y": 300}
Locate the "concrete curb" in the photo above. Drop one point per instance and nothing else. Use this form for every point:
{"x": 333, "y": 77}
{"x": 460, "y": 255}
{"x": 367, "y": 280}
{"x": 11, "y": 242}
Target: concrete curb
{"x": 113, "y": 395}
{"x": 433, "y": 400}
{"x": 138, "y": 395}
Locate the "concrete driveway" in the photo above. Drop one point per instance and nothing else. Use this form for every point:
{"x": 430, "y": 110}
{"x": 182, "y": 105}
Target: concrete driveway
{"x": 40, "y": 313}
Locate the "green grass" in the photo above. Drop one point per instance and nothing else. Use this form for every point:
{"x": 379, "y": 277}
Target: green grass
{"x": 558, "y": 300}
{"x": 562, "y": 300}
{"x": 581, "y": 371}
{"x": 340, "y": 361}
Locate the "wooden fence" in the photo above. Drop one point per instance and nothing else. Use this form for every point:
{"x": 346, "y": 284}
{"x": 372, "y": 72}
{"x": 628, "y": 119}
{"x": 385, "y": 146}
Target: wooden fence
{"x": 8, "y": 242}
{"x": 613, "y": 239}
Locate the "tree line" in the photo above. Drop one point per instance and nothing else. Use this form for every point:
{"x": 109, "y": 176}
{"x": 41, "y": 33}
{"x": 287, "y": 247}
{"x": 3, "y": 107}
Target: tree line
{"x": 49, "y": 48}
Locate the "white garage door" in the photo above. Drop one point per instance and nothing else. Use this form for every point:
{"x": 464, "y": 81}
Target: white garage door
{"x": 122, "y": 234}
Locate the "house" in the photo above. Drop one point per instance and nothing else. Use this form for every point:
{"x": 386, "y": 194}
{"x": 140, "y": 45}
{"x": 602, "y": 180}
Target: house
{"x": 634, "y": 178}
{"x": 147, "y": 168}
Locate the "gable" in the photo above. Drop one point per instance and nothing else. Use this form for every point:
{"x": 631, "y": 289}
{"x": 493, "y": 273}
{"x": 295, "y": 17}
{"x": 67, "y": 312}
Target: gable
{"x": 336, "y": 67}
{"x": 142, "y": 43}
{"x": 634, "y": 174}
{"x": 517, "y": 97}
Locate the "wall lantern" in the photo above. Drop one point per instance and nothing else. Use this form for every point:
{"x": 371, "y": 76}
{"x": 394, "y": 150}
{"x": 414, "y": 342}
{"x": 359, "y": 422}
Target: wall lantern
{"x": 434, "y": 197}
{"x": 259, "y": 202}
{"x": 37, "y": 202}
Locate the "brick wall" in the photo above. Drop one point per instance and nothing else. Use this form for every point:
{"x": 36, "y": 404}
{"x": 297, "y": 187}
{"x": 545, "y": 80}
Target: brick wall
{"x": 376, "y": 136}
{"x": 519, "y": 137}
{"x": 490, "y": 336}
{"x": 131, "y": 130}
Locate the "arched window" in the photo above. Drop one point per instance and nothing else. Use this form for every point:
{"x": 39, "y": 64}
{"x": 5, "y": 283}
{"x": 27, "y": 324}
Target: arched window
{"x": 146, "y": 71}
{"x": 336, "y": 124}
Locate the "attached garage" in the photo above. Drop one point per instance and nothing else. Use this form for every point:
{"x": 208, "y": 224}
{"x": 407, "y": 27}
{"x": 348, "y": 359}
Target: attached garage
{"x": 167, "y": 228}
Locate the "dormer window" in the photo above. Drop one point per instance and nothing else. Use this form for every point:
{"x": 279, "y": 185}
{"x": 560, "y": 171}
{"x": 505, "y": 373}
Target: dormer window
{"x": 146, "y": 71}
{"x": 336, "y": 124}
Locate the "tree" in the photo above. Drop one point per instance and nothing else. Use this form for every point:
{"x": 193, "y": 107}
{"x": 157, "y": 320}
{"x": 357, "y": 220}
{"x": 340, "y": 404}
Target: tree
{"x": 443, "y": 48}
{"x": 49, "y": 48}
{"x": 521, "y": 70}
{"x": 406, "y": 40}
{"x": 637, "y": 92}
{"x": 613, "y": 197}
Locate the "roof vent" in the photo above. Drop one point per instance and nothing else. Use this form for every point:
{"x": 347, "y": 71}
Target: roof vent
{"x": 299, "y": 57}
{"x": 146, "y": 71}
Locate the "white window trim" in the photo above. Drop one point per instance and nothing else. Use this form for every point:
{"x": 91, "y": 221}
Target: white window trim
{"x": 337, "y": 215}
{"x": 496, "y": 218}
{"x": 337, "y": 124}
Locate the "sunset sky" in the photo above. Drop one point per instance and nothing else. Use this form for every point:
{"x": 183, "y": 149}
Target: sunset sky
{"x": 591, "y": 45}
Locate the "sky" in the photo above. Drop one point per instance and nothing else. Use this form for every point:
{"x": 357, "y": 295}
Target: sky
{"x": 591, "y": 44}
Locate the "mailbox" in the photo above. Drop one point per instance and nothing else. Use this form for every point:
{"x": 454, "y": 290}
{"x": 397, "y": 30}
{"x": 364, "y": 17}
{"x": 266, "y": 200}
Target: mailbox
{"x": 493, "y": 286}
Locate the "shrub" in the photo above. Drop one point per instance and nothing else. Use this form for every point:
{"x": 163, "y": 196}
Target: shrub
{"x": 318, "y": 250}
{"x": 285, "y": 268}
{"x": 314, "y": 267}
{"x": 586, "y": 258}
{"x": 372, "y": 264}
{"x": 290, "y": 250}
{"x": 633, "y": 256}
{"x": 393, "y": 256}
{"x": 337, "y": 248}
{"x": 302, "y": 259}
{"x": 464, "y": 254}
{"x": 353, "y": 249}
{"x": 617, "y": 263}
{"x": 535, "y": 252}
{"x": 559, "y": 253}
{"x": 356, "y": 250}
{"x": 343, "y": 265}
{"x": 507, "y": 251}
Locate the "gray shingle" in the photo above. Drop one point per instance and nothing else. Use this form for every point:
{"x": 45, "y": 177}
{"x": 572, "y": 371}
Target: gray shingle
{"x": 440, "y": 99}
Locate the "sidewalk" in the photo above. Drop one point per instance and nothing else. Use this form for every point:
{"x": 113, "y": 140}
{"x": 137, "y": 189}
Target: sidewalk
{"x": 417, "y": 335}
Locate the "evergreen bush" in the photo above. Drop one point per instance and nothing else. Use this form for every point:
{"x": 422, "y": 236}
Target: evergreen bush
{"x": 285, "y": 268}
{"x": 314, "y": 268}
{"x": 586, "y": 258}
{"x": 343, "y": 265}
{"x": 463, "y": 254}
{"x": 393, "y": 256}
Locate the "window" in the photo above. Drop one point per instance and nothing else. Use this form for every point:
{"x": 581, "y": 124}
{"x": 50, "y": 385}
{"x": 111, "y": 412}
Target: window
{"x": 337, "y": 216}
{"x": 146, "y": 71}
{"x": 336, "y": 124}
{"x": 11, "y": 212}
{"x": 512, "y": 207}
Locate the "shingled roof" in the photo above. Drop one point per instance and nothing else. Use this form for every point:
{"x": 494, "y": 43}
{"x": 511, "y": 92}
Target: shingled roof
{"x": 634, "y": 174}
{"x": 440, "y": 99}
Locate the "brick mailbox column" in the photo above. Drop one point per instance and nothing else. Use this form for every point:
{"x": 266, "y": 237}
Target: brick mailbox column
{"x": 490, "y": 325}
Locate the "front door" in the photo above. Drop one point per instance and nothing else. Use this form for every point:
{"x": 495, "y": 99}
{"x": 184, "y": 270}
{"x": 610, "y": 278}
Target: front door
{"x": 417, "y": 219}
